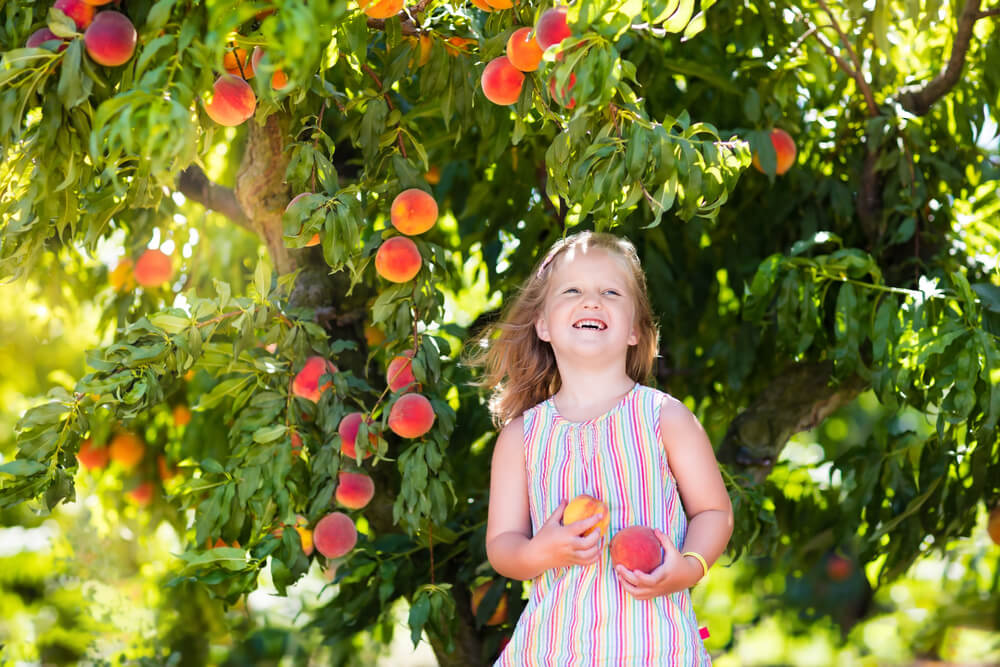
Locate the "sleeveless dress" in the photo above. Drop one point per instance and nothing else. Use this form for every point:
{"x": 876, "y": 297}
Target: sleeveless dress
{"x": 581, "y": 615}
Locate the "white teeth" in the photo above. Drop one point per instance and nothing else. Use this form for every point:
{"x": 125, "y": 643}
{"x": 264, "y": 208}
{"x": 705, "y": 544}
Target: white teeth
{"x": 590, "y": 324}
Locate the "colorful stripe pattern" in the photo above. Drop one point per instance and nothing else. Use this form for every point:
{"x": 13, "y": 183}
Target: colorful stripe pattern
{"x": 581, "y": 615}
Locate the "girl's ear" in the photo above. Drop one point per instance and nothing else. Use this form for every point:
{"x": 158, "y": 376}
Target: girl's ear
{"x": 633, "y": 337}
{"x": 542, "y": 329}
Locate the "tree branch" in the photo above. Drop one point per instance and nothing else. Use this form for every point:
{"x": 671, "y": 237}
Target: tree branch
{"x": 918, "y": 99}
{"x": 194, "y": 184}
{"x": 854, "y": 73}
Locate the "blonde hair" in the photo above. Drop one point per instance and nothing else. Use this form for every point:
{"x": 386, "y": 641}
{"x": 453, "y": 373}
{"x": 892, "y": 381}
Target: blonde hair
{"x": 519, "y": 367}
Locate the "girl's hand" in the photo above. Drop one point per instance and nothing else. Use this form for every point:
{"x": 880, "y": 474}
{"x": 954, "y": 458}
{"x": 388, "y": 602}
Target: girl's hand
{"x": 560, "y": 546}
{"x": 675, "y": 573}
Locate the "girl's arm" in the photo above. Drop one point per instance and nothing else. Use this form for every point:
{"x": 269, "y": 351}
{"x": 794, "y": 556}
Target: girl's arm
{"x": 706, "y": 503}
{"x": 510, "y": 547}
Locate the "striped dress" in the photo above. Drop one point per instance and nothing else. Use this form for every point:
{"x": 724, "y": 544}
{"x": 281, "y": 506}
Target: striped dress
{"x": 581, "y": 615}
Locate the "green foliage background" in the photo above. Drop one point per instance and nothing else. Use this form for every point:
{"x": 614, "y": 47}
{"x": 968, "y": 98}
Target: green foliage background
{"x": 835, "y": 328}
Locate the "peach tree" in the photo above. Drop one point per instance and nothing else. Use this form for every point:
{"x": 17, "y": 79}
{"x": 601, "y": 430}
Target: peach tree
{"x": 294, "y": 215}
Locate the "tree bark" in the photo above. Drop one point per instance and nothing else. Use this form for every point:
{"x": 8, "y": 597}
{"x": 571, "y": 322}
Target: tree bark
{"x": 797, "y": 400}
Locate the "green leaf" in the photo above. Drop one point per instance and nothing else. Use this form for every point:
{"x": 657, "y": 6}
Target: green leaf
{"x": 22, "y": 468}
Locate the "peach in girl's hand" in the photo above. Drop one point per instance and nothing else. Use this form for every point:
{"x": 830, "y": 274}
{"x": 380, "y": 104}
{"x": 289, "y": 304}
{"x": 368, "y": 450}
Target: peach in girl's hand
{"x": 583, "y": 507}
{"x": 636, "y": 548}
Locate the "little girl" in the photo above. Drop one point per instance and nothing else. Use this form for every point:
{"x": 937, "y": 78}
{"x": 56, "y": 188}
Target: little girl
{"x": 566, "y": 365}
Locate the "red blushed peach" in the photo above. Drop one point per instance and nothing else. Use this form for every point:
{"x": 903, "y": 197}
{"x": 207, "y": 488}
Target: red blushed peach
{"x": 411, "y": 416}
{"x": 348, "y": 431}
{"x": 501, "y": 81}
{"x": 784, "y": 152}
{"x": 413, "y": 211}
{"x": 584, "y": 507}
{"x": 302, "y": 528}
{"x": 399, "y": 373}
{"x": 167, "y": 472}
{"x": 562, "y": 96}
{"x": 42, "y": 35}
{"x": 306, "y": 382}
{"x": 296, "y": 444}
{"x": 278, "y": 78}
{"x": 381, "y": 9}
{"x": 126, "y": 449}
{"x": 315, "y": 237}
{"x": 636, "y": 548}
{"x": 233, "y": 101}
{"x": 523, "y": 51}
{"x": 398, "y": 259}
{"x": 110, "y": 39}
{"x": 335, "y": 535}
{"x": 551, "y": 27}
{"x": 91, "y": 456}
{"x": 354, "y": 489}
{"x": 181, "y": 414}
{"x": 499, "y": 612}
{"x": 142, "y": 495}
{"x": 235, "y": 62}
{"x": 78, "y": 10}
{"x": 153, "y": 269}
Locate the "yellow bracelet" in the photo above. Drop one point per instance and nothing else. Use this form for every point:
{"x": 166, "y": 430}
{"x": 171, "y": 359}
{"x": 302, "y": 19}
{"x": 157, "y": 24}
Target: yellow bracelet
{"x": 701, "y": 559}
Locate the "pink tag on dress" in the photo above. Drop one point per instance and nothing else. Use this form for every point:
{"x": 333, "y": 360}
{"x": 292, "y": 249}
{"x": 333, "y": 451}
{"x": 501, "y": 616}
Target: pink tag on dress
{"x": 703, "y": 633}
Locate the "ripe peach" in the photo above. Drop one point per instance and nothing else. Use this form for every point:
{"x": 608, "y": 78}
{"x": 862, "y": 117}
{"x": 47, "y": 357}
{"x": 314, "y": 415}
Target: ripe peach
{"x": 302, "y": 528}
{"x": 374, "y": 336}
{"x": 121, "y": 278}
{"x": 501, "y": 81}
{"x": 235, "y": 62}
{"x": 142, "y": 494}
{"x": 784, "y": 150}
{"x": 433, "y": 175}
{"x": 81, "y": 13}
{"x": 335, "y": 535}
{"x": 354, "y": 489}
{"x": 348, "y": 431}
{"x": 90, "y": 456}
{"x": 523, "y": 51}
{"x": 563, "y": 93}
{"x": 411, "y": 416}
{"x": 398, "y": 259}
{"x": 110, "y": 39}
{"x": 278, "y": 79}
{"x": 551, "y": 27}
{"x": 167, "y": 472}
{"x": 315, "y": 237}
{"x": 413, "y": 211}
{"x": 42, "y": 35}
{"x": 993, "y": 525}
{"x": 585, "y": 506}
{"x": 499, "y": 612}
{"x": 399, "y": 372}
{"x": 838, "y": 568}
{"x": 637, "y": 548}
{"x": 97, "y": 3}
{"x": 381, "y": 9}
{"x": 181, "y": 414}
{"x": 127, "y": 449}
{"x": 456, "y": 45}
{"x": 153, "y": 268}
{"x": 306, "y": 382}
{"x": 482, "y": 5}
{"x": 233, "y": 101}
{"x": 500, "y": 4}
{"x": 296, "y": 444}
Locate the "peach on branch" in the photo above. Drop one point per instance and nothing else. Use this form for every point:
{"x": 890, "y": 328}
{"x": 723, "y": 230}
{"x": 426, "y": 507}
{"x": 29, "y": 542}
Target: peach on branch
{"x": 381, "y": 9}
{"x": 411, "y": 416}
{"x": 306, "y": 383}
{"x": 278, "y": 79}
{"x": 121, "y": 278}
{"x": 499, "y": 612}
{"x": 500, "y": 4}
{"x": 784, "y": 152}
{"x": 374, "y": 336}
{"x": 335, "y": 535}
{"x": 142, "y": 494}
{"x": 399, "y": 372}
{"x": 235, "y": 62}
{"x": 167, "y": 471}
{"x": 296, "y": 443}
{"x": 398, "y": 259}
{"x": 482, "y": 4}
{"x": 523, "y": 51}
{"x": 302, "y": 528}
{"x": 562, "y": 96}
{"x": 78, "y": 10}
{"x": 153, "y": 268}
{"x": 314, "y": 240}
{"x": 636, "y": 548}
{"x": 583, "y": 507}
{"x": 91, "y": 456}
{"x": 348, "y": 431}
{"x": 110, "y": 39}
{"x": 456, "y": 45}
{"x": 354, "y": 489}
{"x": 233, "y": 101}
{"x": 181, "y": 414}
{"x": 838, "y": 568}
{"x": 42, "y": 35}
{"x": 501, "y": 81}
{"x": 551, "y": 27}
{"x": 413, "y": 211}
{"x": 126, "y": 449}
{"x": 97, "y": 3}
{"x": 433, "y": 174}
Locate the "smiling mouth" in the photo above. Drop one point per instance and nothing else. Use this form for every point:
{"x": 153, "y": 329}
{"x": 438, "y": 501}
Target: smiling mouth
{"x": 592, "y": 325}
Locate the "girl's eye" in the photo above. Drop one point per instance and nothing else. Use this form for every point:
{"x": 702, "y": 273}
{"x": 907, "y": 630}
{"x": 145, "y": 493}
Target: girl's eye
{"x": 612, "y": 291}
{"x": 571, "y": 289}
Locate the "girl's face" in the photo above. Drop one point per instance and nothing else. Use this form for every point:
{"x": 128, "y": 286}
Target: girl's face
{"x": 589, "y": 306}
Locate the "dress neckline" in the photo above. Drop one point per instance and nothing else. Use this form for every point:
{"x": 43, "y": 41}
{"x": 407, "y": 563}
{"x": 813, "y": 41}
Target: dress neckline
{"x": 593, "y": 420}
